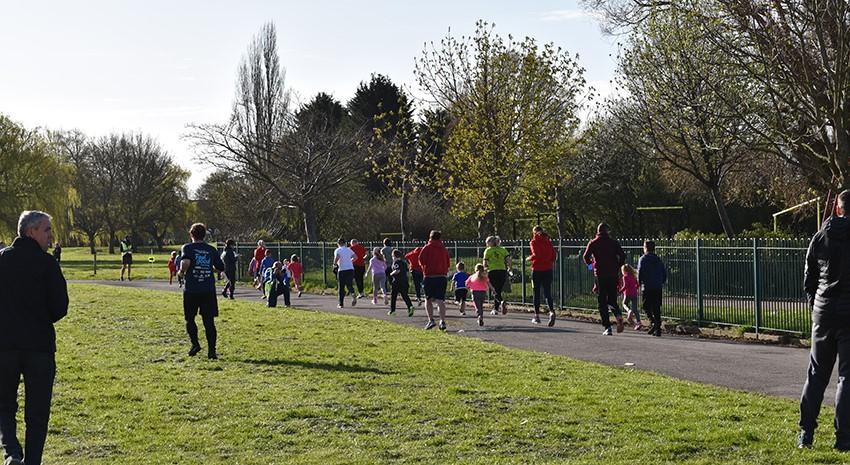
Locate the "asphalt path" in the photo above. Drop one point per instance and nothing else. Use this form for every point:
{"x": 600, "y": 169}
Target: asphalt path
{"x": 768, "y": 369}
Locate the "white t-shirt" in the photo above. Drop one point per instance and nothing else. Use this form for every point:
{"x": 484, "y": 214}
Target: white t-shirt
{"x": 345, "y": 256}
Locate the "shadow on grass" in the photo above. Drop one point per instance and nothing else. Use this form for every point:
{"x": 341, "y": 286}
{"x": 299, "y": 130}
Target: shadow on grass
{"x": 316, "y": 365}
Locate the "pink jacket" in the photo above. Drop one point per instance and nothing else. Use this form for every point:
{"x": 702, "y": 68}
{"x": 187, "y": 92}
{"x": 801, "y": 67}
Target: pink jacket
{"x": 477, "y": 284}
{"x": 629, "y": 285}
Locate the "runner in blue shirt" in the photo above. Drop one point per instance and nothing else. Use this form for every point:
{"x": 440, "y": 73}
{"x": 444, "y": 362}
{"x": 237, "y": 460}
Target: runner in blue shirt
{"x": 199, "y": 296}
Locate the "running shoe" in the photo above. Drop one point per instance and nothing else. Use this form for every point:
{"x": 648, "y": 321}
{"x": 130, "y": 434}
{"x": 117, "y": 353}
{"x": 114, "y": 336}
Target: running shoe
{"x": 638, "y": 326}
{"x": 13, "y": 461}
{"x": 442, "y": 325}
{"x": 608, "y": 332}
{"x": 299, "y": 293}
{"x": 338, "y": 306}
{"x": 431, "y": 324}
{"x": 805, "y": 440}
{"x": 480, "y": 320}
{"x": 194, "y": 350}
{"x": 212, "y": 355}
{"x": 535, "y": 320}
{"x": 374, "y": 301}
{"x": 551, "y": 319}
{"x": 353, "y": 300}
{"x": 410, "y": 311}
{"x": 391, "y": 312}
{"x": 462, "y": 312}
{"x": 494, "y": 312}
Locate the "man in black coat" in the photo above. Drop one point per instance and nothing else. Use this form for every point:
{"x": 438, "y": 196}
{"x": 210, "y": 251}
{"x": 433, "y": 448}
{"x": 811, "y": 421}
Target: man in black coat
{"x": 827, "y": 285}
{"x": 33, "y": 296}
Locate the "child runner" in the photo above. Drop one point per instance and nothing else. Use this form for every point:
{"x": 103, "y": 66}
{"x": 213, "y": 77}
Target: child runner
{"x": 228, "y": 257}
{"x": 252, "y": 270}
{"x": 479, "y": 283}
{"x": 378, "y": 267}
{"x": 629, "y": 288}
{"x": 399, "y": 284}
{"x": 296, "y": 271}
{"x": 344, "y": 262}
{"x": 172, "y": 267}
{"x": 177, "y": 262}
{"x": 266, "y": 264}
{"x": 279, "y": 279}
{"x": 459, "y": 285}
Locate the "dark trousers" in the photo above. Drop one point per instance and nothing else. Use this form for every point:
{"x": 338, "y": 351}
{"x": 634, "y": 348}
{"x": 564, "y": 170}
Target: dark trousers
{"x": 606, "y": 286}
{"x": 279, "y": 289}
{"x": 478, "y": 298}
{"x": 541, "y": 282}
{"x": 652, "y": 306}
{"x": 498, "y": 278}
{"x": 38, "y": 370}
{"x": 344, "y": 280}
{"x": 207, "y": 306}
{"x": 359, "y": 271}
{"x": 399, "y": 288}
{"x": 418, "y": 277}
{"x": 828, "y": 341}
{"x": 230, "y": 284}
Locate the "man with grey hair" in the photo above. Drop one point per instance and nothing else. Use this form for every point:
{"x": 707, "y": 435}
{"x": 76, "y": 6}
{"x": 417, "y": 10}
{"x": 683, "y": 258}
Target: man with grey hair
{"x": 33, "y": 296}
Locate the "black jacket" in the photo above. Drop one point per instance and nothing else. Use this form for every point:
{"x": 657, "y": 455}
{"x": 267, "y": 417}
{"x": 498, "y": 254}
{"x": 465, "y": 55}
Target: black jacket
{"x": 827, "y": 275}
{"x": 33, "y": 296}
{"x": 229, "y": 259}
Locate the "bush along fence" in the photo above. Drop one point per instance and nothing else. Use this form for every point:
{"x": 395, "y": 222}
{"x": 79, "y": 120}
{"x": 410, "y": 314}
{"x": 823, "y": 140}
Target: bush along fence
{"x": 749, "y": 283}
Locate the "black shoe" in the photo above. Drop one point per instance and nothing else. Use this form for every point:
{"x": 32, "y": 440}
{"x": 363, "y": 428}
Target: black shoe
{"x": 194, "y": 350}
{"x": 13, "y": 461}
{"x": 805, "y": 440}
{"x": 551, "y": 319}
{"x": 212, "y": 355}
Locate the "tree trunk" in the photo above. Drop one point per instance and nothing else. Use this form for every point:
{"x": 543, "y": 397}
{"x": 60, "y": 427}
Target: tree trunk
{"x": 311, "y": 221}
{"x": 403, "y": 213}
{"x": 112, "y": 240}
{"x": 91, "y": 236}
{"x": 559, "y": 212}
{"x": 484, "y": 225}
{"x": 721, "y": 212}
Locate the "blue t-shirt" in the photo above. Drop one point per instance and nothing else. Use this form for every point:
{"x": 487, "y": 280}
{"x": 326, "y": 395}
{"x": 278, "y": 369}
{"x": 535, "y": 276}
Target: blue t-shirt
{"x": 199, "y": 276}
{"x": 266, "y": 264}
{"x": 460, "y": 279}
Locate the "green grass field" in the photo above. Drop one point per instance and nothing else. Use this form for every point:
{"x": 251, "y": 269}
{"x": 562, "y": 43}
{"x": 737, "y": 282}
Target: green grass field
{"x": 302, "y": 387}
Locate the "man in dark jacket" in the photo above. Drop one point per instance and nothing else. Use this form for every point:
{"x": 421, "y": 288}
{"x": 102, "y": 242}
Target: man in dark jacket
{"x": 652, "y": 275}
{"x": 229, "y": 259}
{"x": 33, "y": 296}
{"x": 606, "y": 256}
{"x": 827, "y": 285}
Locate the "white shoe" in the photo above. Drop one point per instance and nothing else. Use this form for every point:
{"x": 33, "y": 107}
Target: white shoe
{"x": 608, "y": 332}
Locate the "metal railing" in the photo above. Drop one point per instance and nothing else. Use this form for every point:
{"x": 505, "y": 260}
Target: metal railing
{"x": 755, "y": 283}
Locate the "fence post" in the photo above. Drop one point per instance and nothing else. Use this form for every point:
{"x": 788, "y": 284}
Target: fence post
{"x": 324, "y": 267}
{"x": 561, "y": 260}
{"x": 94, "y": 262}
{"x": 457, "y": 257}
{"x": 756, "y": 287}
{"x": 301, "y": 251}
{"x": 700, "y": 301}
{"x": 522, "y": 269}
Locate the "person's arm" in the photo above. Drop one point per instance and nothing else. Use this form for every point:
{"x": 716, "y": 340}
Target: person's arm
{"x": 663, "y": 271}
{"x": 509, "y": 262}
{"x": 811, "y": 273}
{"x": 218, "y": 263}
{"x": 621, "y": 255}
{"x": 336, "y": 259}
{"x": 588, "y": 253}
{"x": 641, "y": 271}
{"x": 57, "y": 292}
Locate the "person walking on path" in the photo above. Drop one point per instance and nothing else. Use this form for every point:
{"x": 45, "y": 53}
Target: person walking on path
{"x": 542, "y": 260}
{"x": 259, "y": 255}
{"x": 57, "y": 252}
{"x": 198, "y": 262}
{"x": 296, "y": 270}
{"x": 415, "y": 271}
{"x": 344, "y": 262}
{"x": 359, "y": 265}
{"x": 126, "y": 247}
{"x": 378, "y": 270}
{"x": 606, "y": 256}
{"x": 629, "y": 286}
{"x": 497, "y": 260}
{"x": 459, "y": 285}
{"x": 435, "y": 261}
{"x": 827, "y": 285}
{"x": 652, "y": 275}
{"x": 479, "y": 283}
{"x": 228, "y": 257}
{"x": 387, "y": 253}
{"x": 33, "y": 297}
{"x": 398, "y": 273}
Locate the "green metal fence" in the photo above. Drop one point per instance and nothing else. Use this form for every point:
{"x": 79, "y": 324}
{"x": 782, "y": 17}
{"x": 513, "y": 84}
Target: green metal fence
{"x": 742, "y": 282}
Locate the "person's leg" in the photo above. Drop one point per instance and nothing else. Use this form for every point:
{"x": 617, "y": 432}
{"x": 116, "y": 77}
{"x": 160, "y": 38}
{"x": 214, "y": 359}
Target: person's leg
{"x": 609, "y": 288}
{"x": 39, "y": 373}
{"x": 190, "y": 310}
{"x": 429, "y": 308}
{"x": 211, "y": 332}
{"x": 546, "y": 283}
{"x": 394, "y": 291}
{"x": 602, "y": 302}
{"x": 497, "y": 277}
{"x": 633, "y": 307}
{"x": 359, "y": 271}
{"x": 10, "y": 378}
{"x": 655, "y": 308}
{"x": 537, "y": 288}
{"x": 646, "y": 298}
{"x": 478, "y": 301}
{"x": 842, "y": 394}
{"x": 405, "y": 295}
{"x": 349, "y": 284}
{"x": 129, "y": 272}
{"x": 821, "y": 360}
{"x": 441, "y": 306}
{"x": 286, "y": 300}
{"x": 417, "y": 284}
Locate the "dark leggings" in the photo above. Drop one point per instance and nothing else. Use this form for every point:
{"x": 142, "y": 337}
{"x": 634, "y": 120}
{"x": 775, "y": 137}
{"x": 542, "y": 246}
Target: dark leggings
{"x": 478, "y": 298}
{"x": 607, "y": 298}
{"x": 230, "y": 285}
{"x": 345, "y": 278}
{"x": 359, "y": 272}
{"x": 417, "y": 282}
{"x": 400, "y": 288}
{"x": 497, "y": 279}
{"x": 38, "y": 370}
{"x": 209, "y": 328}
{"x": 542, "y": 281}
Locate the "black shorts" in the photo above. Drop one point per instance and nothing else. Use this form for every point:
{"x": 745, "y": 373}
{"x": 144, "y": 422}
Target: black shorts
{"x": 460, "y": 294}
{"x": 435, "y": 287}
{"x": 206, "y": 304}
{"x": 127, "y": 259}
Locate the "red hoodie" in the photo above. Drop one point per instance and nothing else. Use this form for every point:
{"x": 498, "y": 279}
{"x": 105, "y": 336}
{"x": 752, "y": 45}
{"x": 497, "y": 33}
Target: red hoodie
{"x": 413, "y": 258}
{"x": 543, "y": 255}
{"x": 359, "y": 253}
{"x": 434, "y": 259}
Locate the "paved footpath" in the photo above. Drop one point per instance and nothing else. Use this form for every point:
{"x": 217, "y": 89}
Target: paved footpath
{"x": 768, "y": 369}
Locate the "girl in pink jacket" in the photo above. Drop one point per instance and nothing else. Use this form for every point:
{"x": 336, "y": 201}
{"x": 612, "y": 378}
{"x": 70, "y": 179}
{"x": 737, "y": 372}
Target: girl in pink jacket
{"x": 629, "y": 288}
{"x": 479, "y": 283}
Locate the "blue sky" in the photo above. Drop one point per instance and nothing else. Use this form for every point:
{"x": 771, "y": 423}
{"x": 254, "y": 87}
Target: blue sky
{"x": 155, "y": 66}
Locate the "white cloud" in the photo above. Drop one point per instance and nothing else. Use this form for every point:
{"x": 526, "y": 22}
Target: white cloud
{"x": 568, "y": 15}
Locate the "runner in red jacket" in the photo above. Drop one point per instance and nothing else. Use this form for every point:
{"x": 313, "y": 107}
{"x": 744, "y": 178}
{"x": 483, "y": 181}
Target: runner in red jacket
{"x": 542, "y": 260}
{"x": 435, "y": 261}
{"x": 412, "y": 258}
{"x": 607, "y": 257}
